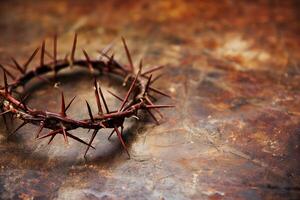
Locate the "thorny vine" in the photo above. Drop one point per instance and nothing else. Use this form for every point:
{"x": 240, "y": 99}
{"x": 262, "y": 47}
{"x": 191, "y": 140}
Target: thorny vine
{"x": 137, "y": 98}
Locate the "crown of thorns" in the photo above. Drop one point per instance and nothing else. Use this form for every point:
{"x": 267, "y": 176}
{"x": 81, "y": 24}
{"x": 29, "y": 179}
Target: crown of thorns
{"x": 138, "y": 96}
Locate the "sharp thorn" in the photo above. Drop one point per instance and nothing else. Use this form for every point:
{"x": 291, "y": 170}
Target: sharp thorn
{"x": 42, "y": 54}
{"x": 90, "y": 111}
{"x": 121, "y": 140}
{"x": 7, "y": 72}
{"x": 64, "y": 133}
{"x": 19, "y": 127}
{"x": 111, "y": 134}
{"x": 159, "y": 92}
{"x": 68, "y": 106}
{"x": 152, "y": 70}
{"x": 103, "y": 99}
{"x": 153, "y": 117}
{"x": 74, "y": 48}
{"x": 100, "y": 111}
{"x": 18, "y": 66}
{"x": 63, "y": 106}
{"x": 40, "y": 129}
{"x": 78, "y": 139}
{"x": 88, "y": 61}
{"x": 30, "y": 59}
{"x": 155, "y": 109}
{"x": 128, "y": 55}
{"x": 91, "y": 141}
{"x": 147, "y": 85}
{"x": 130, "y": 90}
{"x": 119, "y": 98}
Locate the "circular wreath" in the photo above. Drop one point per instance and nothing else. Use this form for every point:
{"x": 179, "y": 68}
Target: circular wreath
{"x": 138, "y": 96}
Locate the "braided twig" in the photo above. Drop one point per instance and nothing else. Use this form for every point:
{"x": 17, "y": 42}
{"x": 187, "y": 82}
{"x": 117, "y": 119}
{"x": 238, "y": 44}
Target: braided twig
{"x": 137, "y": 97}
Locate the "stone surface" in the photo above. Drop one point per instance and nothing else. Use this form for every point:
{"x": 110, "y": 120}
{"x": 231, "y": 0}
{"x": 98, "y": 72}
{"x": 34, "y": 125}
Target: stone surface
{"x": 232, "y": 69}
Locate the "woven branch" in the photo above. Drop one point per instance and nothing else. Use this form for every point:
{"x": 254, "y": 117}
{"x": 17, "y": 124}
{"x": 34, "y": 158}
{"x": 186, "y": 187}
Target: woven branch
{"x": 137, "y": 97}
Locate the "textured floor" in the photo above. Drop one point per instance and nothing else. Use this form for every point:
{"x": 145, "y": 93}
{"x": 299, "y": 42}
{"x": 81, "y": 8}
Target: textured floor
{"x": 233, "y": 69}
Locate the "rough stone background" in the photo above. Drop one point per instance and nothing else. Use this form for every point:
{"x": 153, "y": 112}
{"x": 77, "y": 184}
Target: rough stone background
{"x": 232, "y": 68}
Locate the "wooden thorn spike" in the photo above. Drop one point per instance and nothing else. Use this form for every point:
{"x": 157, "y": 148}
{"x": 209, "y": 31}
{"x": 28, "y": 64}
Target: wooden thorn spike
{"x": 7, "y": 72}
{"x": 152, "y": 70}
{"x": 63, "y": 107}
{"x": 97, "y": 95}
{"x": 116, "y": 96}
{"x": 40, "y": 129}
{"x": 64, "y": 134}
{"x": 89, "y": 111}
{"x": 18, "y": 66}
{"x": 30, "y": 59}
{"x": 129, "y": 91}
{"x": 91, "y": 141}
{"x": 111, "y": 134}
{"x": 147, "y": 84}
{"x": 159, "y": 92}
{"x": 74, "y": 48}
{"x": 68, "y": 106}
{"x": 122, "y": 141}
{"x": 88, "y": 61}
{"x": 19, "y": 127}
{"x": 153, "y": 117}
{"x": 128, "y": 55}
{"x": 42, "y": 54}
{"x": 103, "y": 99}
{"x": 78, "y": 139}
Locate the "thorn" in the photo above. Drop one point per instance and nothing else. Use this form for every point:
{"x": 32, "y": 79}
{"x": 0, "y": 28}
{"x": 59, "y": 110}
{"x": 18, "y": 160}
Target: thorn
{"x": 90, "y": 111}
{"x": 122, "y": 141}
{"x": 153, "y": 69}
{"x": 30, "y": 59}
{"x": 128, "y": 55}
{"x": 78, "y": 139}
{"x": 91, "y": 140}
{"x": 42, "y": 54}
{"x": 88, "y": 61}
{"x": 64, "y": 133}
{"x": 63, "y": 107}
{"x": 111, "y": 134}
{"x": 159, "y": 106}
{"x": 156, "y": 78}
{"x": 23, "y": 124}
{"x": 74, "y": 48}
{"x": 52, "y": 134}
{"x": 141, "y": 65}
{"x": 18, "y": 66}
{"x": 119, "y": 98}
{"x": 155, "y": 109}
{"x": 100, "y": 111}
{"x": 103, "y": 99}
{"x": 147, "y": 85}
{"x": 153, "y": 117}
{"x": 7, "y": 72}
{"x": 70, "y": 103}
{"x": 129, "y": 91}
{"x": 159, "y": 92}
{"x": 40, "y": 130}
